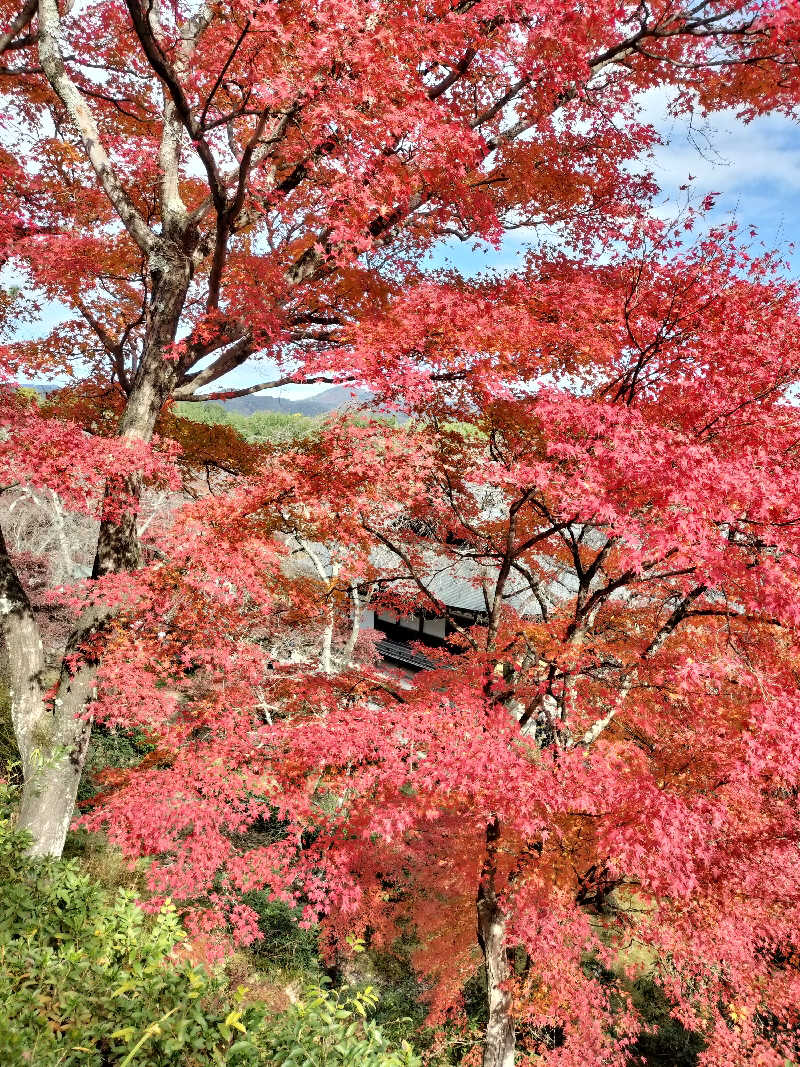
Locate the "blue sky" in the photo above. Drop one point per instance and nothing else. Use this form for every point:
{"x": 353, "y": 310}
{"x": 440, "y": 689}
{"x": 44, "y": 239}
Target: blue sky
{"x": 755, "y": 168}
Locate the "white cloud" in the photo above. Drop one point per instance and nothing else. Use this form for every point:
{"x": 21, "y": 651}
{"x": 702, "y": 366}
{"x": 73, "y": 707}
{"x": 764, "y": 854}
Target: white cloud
{"x": 755, "y": 167}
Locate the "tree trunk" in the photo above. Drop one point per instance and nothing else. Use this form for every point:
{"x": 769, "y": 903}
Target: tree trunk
{"x": 53, "y": 742}
{"x": 118, "y": 543}
{"x": 55, "y": 765}
{"x": 499, "y": 1040}
{"x": 326, "y": 652}
{"x": 25, "y": 657}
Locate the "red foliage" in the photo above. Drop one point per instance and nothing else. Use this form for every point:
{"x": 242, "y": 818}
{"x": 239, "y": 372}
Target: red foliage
{"x": 619, "y": 757}
{"x": 635, "y": 736}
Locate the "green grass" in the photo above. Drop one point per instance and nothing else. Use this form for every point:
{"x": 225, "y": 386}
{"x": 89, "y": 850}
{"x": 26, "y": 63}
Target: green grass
{"x": 262, "y": 427}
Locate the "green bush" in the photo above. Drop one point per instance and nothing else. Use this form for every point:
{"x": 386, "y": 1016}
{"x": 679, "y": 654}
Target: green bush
{"x": 285, "y": 945}
{"x": 88, "y": 980}
{"x": 663, "y": 1042}
{"x": 402, "y": 1008}
{"x": 331, "y": 1028}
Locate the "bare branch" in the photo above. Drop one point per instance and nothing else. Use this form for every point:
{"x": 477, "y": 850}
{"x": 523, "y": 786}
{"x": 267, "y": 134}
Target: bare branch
{"x": 231, "y": 394}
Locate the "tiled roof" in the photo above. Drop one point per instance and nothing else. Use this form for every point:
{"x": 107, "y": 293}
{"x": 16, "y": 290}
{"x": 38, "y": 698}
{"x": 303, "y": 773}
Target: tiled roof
{"x": 459, "y": 583}
{"x": 396, "y": 652}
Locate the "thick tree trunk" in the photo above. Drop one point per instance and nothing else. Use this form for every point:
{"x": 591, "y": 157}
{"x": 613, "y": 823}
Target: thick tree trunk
{"x": 499, "y": 1040}
{"x": 53, "y": 742}
{"x": 51, "y": 785}
{"x": 49, "y": 795}
{"x": 54, "y": 751}
{"x": 118, "y": 543}
{"x": 25, "y": 658}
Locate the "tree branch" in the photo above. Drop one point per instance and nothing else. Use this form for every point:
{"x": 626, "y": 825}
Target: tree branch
{"x": 231, "y": 394}
{"x": 229, "y": 359}
{"x": 672, "y": 623}
{"x": 8, "y": 39}
{"x": 50, "y": 56}
{"x": 170, "y": 78}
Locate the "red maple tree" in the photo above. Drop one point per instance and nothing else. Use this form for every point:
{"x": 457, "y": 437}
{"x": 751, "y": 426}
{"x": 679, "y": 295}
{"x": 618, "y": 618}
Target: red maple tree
{"x": 203, "y": 186}
{"x": 611, "y": 753}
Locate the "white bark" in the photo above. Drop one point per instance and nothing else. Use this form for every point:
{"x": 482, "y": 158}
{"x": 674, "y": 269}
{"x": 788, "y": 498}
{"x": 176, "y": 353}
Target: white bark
{"x": 328, "y": 578}
{"x": 326, "y": 658}
{"x": 51, "y": 740}
{"x": 26, "y": 661}
{"x": 598, "y": 727}
{"x": 173, "y": 208}
{"x": 52, "y": 61}
{"x": 359, "y": 606}
{"x": 499, "y": 1041}
{"x": 54, "y": 772}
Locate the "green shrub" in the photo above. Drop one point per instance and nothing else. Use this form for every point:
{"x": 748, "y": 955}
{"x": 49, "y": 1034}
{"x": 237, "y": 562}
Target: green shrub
{"x": 110, "y": 748}
{"x": 663, "y": 1042}
{"x": 401, "y": 1008}
{"x": 285, "y": 945}
{"x": 331, "y": 1028}
{"x": 88, "y": 980}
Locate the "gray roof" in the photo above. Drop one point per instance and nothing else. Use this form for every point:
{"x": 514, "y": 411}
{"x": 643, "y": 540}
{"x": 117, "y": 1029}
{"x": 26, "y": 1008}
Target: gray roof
{"x": 459, "y": 581}
{"x": 460, "y": 584}
{"x": 402, "y": 654}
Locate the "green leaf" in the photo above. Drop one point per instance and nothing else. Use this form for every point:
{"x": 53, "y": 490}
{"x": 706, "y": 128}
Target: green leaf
{"x": 234, "y": 1019}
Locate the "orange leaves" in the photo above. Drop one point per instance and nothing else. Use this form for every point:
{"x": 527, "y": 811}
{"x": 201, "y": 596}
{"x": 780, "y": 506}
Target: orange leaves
{"x": 210, "y": 449}
{"x": 598, "y": 496}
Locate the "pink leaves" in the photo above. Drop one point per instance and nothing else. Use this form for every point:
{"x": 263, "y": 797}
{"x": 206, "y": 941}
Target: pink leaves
{"x": 47, "y": 452}
{"x": 604, "y": 459}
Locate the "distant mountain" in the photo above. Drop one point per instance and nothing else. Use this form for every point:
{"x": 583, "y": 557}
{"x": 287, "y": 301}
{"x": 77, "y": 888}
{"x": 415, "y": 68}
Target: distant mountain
{"x": 333, "y": 399}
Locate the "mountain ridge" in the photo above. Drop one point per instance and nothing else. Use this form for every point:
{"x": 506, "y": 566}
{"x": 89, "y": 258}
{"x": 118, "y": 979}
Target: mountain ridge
{"x": 333, "y": 399}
